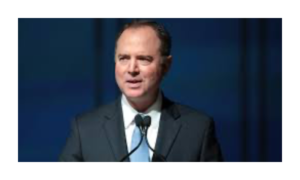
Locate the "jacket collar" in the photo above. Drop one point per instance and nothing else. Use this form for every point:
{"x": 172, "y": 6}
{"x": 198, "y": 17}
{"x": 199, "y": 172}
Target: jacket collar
{"x": 114, "y": 129}
{"x": 168, "y": 129}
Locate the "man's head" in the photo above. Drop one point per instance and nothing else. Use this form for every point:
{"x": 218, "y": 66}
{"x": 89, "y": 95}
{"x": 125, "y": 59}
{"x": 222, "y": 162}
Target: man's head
{"x": 142, "y": 58}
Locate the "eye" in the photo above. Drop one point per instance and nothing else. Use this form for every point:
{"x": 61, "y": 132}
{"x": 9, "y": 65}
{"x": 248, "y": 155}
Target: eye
{"x": 144, "y": 59}
{"x": 122, "y": 58}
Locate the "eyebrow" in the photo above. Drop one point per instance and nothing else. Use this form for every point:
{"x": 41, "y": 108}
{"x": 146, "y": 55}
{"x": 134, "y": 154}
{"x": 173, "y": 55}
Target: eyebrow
{"x": 139, "y": 56}
{"x": 123, "y": 55}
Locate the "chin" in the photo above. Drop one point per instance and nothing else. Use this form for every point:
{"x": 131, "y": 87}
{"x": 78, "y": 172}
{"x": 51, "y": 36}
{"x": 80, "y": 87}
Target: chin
{"x": 133, "y": 94}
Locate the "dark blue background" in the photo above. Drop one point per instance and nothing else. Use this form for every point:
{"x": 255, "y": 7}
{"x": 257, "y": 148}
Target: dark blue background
{"x": 229, "y": 68}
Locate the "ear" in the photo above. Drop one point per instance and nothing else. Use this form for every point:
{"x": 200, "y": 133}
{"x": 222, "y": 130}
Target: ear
{"x": 167, "y": 64}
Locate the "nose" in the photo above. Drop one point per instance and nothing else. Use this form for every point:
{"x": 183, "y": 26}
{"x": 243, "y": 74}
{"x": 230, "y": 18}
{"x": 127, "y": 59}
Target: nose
{"x": 133, "y": 68}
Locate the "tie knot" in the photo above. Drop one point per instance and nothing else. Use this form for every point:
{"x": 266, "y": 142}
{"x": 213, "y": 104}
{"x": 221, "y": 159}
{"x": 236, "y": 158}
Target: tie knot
{"x": 142, "y": 114}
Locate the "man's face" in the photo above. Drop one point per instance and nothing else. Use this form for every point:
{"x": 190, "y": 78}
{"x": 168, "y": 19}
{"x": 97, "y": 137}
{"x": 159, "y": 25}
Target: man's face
{"x": 138, "y": 69}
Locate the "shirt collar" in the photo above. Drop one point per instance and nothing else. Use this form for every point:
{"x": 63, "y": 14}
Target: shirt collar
{"x": 129, "y": 112}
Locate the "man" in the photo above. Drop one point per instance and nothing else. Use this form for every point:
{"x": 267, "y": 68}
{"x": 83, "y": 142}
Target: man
{"x": 109, "y": 133}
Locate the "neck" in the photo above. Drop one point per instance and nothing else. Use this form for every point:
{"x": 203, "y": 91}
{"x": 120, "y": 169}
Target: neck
{"x": 142, "y": 104}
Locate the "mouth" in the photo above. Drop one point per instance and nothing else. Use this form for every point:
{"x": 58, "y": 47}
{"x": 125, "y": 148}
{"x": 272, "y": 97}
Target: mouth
{"x": 134, "y": 83}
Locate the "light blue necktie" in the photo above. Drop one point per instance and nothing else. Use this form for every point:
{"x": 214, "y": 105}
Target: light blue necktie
{"x": 142, "y": 153}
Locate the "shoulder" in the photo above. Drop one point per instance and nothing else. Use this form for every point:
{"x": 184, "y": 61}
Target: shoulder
{"x": 98, "y": 114}
{"x": 187, "y": 110}
{"x": 192, "y": 116}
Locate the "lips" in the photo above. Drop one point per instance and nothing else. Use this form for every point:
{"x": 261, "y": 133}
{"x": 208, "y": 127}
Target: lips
{"x": 134, "y": 83}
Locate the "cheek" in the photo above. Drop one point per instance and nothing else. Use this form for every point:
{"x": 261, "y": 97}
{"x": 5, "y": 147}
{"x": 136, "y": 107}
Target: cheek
{"x": 118, "y": 74}
{"x": 153, "y": 76}
{"x": 119, "y": 70}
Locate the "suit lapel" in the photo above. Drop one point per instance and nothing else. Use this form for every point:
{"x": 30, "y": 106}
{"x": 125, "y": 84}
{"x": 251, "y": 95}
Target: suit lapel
{"x": 114, "y": 130}
{"x": 169, "y": 128}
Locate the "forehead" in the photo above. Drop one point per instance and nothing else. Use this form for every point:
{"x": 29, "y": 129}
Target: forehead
{"x": 143, "y": 38}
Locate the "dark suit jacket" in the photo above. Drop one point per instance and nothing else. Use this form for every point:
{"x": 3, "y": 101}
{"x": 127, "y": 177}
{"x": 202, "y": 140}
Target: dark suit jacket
{"x": 184, "y": 135}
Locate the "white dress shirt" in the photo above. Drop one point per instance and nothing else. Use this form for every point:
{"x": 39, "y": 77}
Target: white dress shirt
{"x": 154, "y": 111}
